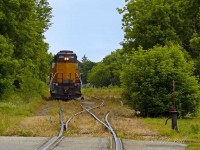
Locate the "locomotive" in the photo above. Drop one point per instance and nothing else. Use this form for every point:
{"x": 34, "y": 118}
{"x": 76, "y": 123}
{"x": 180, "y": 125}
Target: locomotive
{"x": 65, "y": 81}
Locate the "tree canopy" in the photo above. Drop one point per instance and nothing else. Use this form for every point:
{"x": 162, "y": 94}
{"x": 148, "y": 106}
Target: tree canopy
{"x": 23, "y": 51}
{"x": 152, "y": 25}
{"x": 108, "y": 71}
{"x": 86, "y": 66}
{"x": 151, "y": 22}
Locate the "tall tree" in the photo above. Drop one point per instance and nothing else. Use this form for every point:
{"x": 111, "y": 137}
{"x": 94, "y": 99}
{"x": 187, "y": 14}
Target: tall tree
{"x": 151, "y": 22}
{"x": 155, "y": 22}
{"x": 7, "y": 65}
{"x": 114, "y": 62}
{"x": 108, "y": 71}
{"x": 86, "y": 66}
{"x": 99, "y": 76}
{"x": 23, "y": 24}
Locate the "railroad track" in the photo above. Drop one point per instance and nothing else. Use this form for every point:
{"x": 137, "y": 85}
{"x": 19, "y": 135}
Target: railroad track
{"x": 50, "y": 144}
{"x": 117, "y": 142}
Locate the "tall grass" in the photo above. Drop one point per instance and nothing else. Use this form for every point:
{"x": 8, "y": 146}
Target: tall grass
{"x": 188, "y": 130}
{"x": 14, "y": 108}
{"x": 104, "y": 92}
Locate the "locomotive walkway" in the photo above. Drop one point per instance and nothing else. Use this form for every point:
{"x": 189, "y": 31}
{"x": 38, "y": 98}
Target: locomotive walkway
{"x": 85, "y": 143}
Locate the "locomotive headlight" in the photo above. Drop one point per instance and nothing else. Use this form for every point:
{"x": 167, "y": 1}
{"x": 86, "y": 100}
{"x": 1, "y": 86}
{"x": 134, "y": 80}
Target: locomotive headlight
{"x": 55, "y": 84}
{"x": 66, "y": 58}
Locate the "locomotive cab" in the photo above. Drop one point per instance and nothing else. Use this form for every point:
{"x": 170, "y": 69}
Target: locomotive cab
{"x": 65, "y": 80}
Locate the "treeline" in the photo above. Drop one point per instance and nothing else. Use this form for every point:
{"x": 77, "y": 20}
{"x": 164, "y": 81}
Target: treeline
{"x": 104, "y": 73}
{"x": 161, "y": 44}
{"x": 24, "y": 60}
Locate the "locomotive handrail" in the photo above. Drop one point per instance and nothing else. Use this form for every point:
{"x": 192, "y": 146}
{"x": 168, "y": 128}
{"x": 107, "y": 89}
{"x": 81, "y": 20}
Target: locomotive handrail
{"x": 79, "y": 79}
{"x": 50, "y": 84}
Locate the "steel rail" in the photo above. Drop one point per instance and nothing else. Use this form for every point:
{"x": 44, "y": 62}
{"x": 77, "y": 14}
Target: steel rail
{"x": 67, "y": 122}
{"x": 50, "y": 144}
{"x": 96, "y": 118}
{"x": 118, "y": 142}
{"x": 118, "y": 145}
{"x": 56, "y": 139}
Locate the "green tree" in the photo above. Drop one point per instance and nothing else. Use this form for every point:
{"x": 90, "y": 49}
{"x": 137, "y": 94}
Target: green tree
{"x": 151, "y": 22}
{"x": 108, "y": 71}
{"x": 23, "y": 24}
{"x": 7, "y": 65}
{"x": 86, "y": 66}
{"x": 114, "y": 62}
{"x": 195, "y": 47}
{"x": 147, "y": 81}
{"x": 99, "y": 75}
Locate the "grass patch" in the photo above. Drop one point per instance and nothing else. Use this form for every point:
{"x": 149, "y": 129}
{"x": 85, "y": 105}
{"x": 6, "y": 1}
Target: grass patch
{"x": 14, "y": 109}
{"x": 188, "y": 130}
{"x": 105, "y": 92}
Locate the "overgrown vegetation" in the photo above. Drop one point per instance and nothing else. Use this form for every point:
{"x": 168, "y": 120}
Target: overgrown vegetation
{"x": 86, "y": 66}
{"x": 108, "y": 71}
{"x": 189, "y": 128}
{"x": 16, "y": 109}
{"x": 161, "y": 44}
{"x": 104, "y": 92}
{"x": 152, "y": 25}
{"x": 189, "y": 131}
{"x": 147, "y": 81}
{"x": 24, "y": 58}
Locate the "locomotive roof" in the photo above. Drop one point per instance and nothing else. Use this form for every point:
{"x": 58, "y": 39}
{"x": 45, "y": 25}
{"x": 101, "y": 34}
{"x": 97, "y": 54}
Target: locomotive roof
{"x": 65, "y": 52}
{"x": 70, "y": 55}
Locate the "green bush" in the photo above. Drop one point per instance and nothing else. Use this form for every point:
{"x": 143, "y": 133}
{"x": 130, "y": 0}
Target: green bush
{"x": 147, "y": 81}
{"x": 107, "y": 72}
{"x": 99, "y": 75}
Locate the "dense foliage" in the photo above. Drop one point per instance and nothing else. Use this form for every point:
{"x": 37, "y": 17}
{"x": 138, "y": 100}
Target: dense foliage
{"x": 153, "y": 24}
{"x": 24, "y": 60}
{"x": 86, "y": 66}
{"x": 147, "y": 81}
{"x": 108, "y": 71}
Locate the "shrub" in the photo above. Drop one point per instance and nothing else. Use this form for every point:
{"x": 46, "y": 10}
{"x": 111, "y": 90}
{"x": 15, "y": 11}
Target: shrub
{"x": 147, "y": 81}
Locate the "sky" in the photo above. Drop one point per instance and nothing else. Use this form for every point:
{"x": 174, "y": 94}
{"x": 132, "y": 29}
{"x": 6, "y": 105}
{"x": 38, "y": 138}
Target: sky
{"x": 87, "y": 27}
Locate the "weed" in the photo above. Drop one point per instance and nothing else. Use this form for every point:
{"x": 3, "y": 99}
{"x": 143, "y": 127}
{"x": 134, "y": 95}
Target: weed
{"x": 121, "y": 135}
{"x": 195, "y": 129}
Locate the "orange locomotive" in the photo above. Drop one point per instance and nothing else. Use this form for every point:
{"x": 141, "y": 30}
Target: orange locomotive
{"x": 65, "y": 81}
